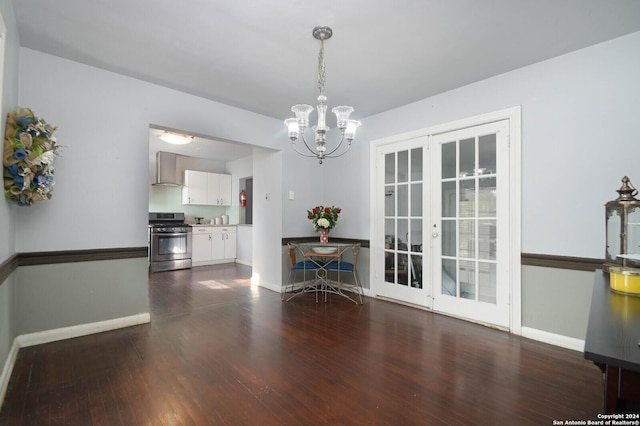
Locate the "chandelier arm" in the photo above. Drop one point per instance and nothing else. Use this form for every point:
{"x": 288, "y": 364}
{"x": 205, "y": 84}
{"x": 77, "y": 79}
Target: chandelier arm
{"x": 336, "y": 148}
{"x": 330, "y": 155}
{"x": 304, "y": 154}
{"x": 311, "y": 150}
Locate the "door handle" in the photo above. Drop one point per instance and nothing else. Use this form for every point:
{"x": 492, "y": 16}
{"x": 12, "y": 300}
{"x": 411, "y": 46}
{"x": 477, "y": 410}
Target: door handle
{"x": 435, "y": 234}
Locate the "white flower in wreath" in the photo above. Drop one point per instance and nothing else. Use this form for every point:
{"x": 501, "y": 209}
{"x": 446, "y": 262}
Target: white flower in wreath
{"x": 323, "y": 223}
{"x": 46, "y": 158}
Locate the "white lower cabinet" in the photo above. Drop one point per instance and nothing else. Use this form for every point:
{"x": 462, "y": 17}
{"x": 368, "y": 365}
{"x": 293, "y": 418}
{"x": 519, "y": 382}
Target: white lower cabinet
{"x": 224, "y": 242}
{"x": 201, "y": 244}
{"x": 213, "y": 244}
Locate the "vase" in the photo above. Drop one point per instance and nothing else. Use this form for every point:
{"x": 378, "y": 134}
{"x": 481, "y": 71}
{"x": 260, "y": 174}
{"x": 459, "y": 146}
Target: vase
{"x": 324, "y": 237}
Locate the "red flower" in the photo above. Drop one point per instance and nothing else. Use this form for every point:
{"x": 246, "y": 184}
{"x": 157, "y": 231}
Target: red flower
{"x": 329, "y": 216}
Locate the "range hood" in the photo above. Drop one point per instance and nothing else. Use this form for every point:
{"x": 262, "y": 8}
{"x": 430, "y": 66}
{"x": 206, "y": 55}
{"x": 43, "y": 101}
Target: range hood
{"x": 166, "y": 169}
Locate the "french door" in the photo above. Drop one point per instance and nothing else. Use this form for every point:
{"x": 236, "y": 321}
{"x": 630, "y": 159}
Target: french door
{"x": 442, "y": 222}
{"x": 402, "y": 199}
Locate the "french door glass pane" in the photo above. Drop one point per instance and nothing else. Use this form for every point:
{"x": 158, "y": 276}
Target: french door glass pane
{"x": 415, "y": 239}
{"x": 487, "y": 239}
{"x": 449, "y": 199}
{"x": 403, "y": 166}
{"x": 487, "y": 282}
{"x": 402, "y": 270}
{"x": 389, "y": 200}
{"x": 390, "y": 232}
{"x": 487, "y": 197}
{"x": 403, "y": 234}
{"x": 467, "y": 198}
{"x": 390, "y": 167}
{"x": 416, "y": 199}
{"x": 416, "y": 164}
{"x": 448, "y": 160}
{"x": 467, "y": 157}
{"x": 449, "y": 238}
{"x": 467, "y": 279}
{"x": 449, "y": 278}
{"x": 487, "y": 154}
{"x": 403, "y": 200}
{"x": 467, "y": 239}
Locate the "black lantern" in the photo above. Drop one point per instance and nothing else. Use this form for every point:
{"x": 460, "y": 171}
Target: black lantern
{"x": 623, "y": 228}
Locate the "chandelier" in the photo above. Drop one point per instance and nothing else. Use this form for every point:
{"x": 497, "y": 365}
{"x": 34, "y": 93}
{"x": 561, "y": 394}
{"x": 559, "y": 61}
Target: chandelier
{"x": 297, "y": 126}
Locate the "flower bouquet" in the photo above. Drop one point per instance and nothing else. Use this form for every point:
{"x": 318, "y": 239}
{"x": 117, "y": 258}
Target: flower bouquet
{"x": 29, "y": 151}
{"x": 324, "y": 219}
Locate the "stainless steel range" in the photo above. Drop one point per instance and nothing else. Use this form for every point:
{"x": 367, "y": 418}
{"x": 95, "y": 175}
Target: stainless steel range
{"x": 169, "y": 242}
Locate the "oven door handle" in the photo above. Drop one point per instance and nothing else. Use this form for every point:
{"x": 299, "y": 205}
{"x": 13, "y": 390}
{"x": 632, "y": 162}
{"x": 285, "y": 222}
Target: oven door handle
{"x": 169, "y": 234}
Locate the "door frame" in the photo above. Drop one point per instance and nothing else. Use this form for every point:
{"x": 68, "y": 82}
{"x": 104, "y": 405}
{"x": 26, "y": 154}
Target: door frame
{"x": 513, "y": 115}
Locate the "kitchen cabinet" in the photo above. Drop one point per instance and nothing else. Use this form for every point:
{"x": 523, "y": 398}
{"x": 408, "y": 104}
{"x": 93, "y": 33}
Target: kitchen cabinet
{"x": 201, "y": 247}
{"x": 213, "y": 244}
{"x": 219, "y": 189}
{"x": 195, "y": 189}
{"x": 224, "y": 242}
{"x": 204, "y": 188}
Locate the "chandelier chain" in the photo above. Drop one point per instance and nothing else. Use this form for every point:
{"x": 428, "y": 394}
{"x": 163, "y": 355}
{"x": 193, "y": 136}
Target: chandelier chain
{"x": 321, "y": 69}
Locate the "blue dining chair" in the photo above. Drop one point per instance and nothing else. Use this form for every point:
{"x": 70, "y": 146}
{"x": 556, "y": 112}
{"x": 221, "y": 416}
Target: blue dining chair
{"x": 341, "y": 267}
{"x": 295, "y": 267}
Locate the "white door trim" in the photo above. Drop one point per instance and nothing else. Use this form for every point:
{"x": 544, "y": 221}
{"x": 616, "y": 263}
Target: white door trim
{"x": 512, "y": 114}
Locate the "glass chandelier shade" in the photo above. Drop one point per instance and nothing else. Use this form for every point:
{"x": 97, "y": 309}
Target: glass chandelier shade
{"x": 296, "y": 126}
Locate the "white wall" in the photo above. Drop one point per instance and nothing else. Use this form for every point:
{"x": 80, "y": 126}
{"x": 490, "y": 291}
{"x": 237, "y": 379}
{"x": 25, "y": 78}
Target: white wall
{"x": 267, "y": 219}
{"x": 102, "y": 183}
{"x": 103, "y": 121}
{"x": 9, "y": 100}
{"x": 303, "y": 176}
{"x": 8, "y": 212}
{"x": 579, "y": 115}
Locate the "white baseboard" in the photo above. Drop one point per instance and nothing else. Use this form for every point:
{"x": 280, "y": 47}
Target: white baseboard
{"x": 7, "y": 370}
{"x": 244, "y": 262}
{"x": 273, "y": 287}
{"x": 47, "y": 336}
{"x": 553, "y": 339}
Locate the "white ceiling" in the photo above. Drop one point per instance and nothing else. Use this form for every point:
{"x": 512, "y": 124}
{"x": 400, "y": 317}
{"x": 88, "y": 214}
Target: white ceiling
{"x": 260, "y": 55}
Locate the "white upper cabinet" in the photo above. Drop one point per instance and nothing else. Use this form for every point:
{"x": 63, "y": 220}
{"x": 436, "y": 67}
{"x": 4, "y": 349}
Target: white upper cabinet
{"x": 219, "y": 189}
{"x": 225, "y": 190}
{"x": 205, "y": 188}
{"x": 194, "y": 190}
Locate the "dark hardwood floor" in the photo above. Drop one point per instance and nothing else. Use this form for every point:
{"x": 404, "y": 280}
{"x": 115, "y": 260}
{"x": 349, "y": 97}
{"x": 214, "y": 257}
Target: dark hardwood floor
{"x": 219, "y": 351}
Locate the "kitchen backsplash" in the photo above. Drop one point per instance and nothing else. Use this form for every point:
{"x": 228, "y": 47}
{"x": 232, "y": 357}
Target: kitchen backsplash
{"x": 169, "y": 199}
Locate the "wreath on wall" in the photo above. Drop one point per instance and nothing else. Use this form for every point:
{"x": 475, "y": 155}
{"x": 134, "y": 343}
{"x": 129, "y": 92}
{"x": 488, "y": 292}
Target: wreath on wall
{"x": 28, "y": 155}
